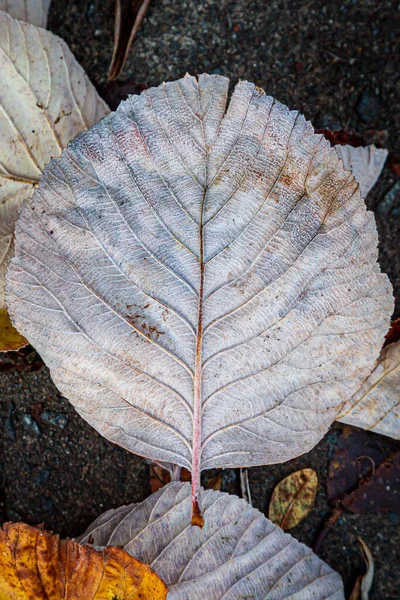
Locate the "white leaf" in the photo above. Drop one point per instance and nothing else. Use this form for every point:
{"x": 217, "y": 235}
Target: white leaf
{"x": 203, "y": 285}
{"x": 366, "y": 164}
{"x": 45, "y": 100}
{"x": 238, "y": 554}
{"x": 31, "y": 11}
{"x": 376, "y": 405}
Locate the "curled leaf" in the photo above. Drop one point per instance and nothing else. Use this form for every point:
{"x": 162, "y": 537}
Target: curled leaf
{"x": 31, "y": 11}
{"x": 238, "y": 553}
{"x": 197, "y": 277}
{"x": 128, "y": 17}
{"x": 376, "y": 405}
{"x": 293, "y": 498}
{"x": 56, "y": 101}
{"x": 366, "y": 164}
{"x": 36, "y": 565}
{"x": 364, "y": 582}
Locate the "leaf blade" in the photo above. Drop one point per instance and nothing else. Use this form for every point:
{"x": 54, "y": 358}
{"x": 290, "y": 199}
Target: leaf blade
{"x": 36, "y": 565}
{"x": 293, "y": 498}
{"x": 223, "y": 282}
{"x": 238, "y": 551}
{"x": 375, "y": 406}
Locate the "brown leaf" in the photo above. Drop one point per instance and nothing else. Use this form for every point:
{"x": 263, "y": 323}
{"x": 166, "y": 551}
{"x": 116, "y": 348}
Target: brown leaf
{"x": 364, "y": 473}
{"x": 160, "y": 477}
{"x": 393, "y": 335}
{"x": 114, "y": 92}
{"x": 10, "y": 339}
{"x": 341, "y": 137}
{"x": 214, "y": 483}
{"x": 293, "y": 498}
{"x": 128, "y": 17}
{"x": 37, "y": 565}
{"x": 364, "y": 582}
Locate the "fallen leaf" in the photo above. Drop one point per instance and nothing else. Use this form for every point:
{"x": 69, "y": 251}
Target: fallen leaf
{"x": 376, "y": 491}
{"x": 357, "y": 455}
{"x": 129, "y": 15}
{"x": 219, "y": 264}
{"x": 10, "y": 339}
{"x": 36, "y": 565}
{"x": 31, "y": 11}
{"x": 113, "y": 92}
{"x": 342, "y": 137}
{"x": 56, "y": 101}
{"x": 214, "y": 483}
{"x": 238, "y": 553}
{"x": 364, "y": 582}
{"x": 393, "y": 335}
{"x": 160, "y": 477}
{"x": 293, "y": 498}
{"x": 376, "y": 405}
{"x": 366, "y": 164}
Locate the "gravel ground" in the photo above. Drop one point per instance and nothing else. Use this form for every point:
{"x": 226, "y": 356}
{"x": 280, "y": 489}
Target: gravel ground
{"x": 336, "y": 62}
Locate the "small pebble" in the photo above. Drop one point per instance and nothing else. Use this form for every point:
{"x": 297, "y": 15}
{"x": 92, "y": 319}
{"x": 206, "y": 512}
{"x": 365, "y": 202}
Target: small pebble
{"x": 30, "y": 425}
{"x": 53, "y": 418}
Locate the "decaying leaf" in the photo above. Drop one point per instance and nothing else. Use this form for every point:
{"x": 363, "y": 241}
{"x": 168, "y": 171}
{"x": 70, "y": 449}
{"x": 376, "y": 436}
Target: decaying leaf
{"x": 366, "y": 164}
{"x": 376, "y": 405}
{"x": 128, "y": 17}
{"x": 362, "y": 472}
{"x": 202, "y": 284}
{"x": 37, "y": 565}
{"x": 237, "y": 554}
{"x": 364, "y": 582}
{"x": 293, "y": 498}
{"x": 31, "y": 11}
{"x": 56, "y": 101}
{"x": 10, "y": 339}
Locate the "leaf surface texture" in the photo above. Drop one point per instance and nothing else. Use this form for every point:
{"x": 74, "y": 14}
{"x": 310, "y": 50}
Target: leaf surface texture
{"x": 238, "y": 554}
{"x": 202, "y": 280}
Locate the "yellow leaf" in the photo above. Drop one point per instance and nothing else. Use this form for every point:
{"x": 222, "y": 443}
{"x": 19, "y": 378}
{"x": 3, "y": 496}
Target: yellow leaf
{"x": 293, "y": 498}
{"x": 10, "y": 339}
{"x": 37, "y": 565}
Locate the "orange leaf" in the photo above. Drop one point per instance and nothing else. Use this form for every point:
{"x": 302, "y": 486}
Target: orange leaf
{"x": 10, "y": 339}
{"x": 37, "y": 565}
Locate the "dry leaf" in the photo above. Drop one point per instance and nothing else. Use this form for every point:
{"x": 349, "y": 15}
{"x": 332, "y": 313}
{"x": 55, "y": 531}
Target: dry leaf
{"x": 31, "y": 11}
{"x": 293, "y": 498}
{"x": 56, "y": 101}
{"x": 364, "y": 472}
{"x": 237, "y": 554}
{"x": 10, "y": 339}
{"x": 366, "y": 164}
{"x": 36, "y": 565}
{"x": 393, "y": 335}
{"x": 376, "y": 405}
{"x": 364, "y": 582}
{"x": 128, "y": 18}
{"x": 202, "y": 284}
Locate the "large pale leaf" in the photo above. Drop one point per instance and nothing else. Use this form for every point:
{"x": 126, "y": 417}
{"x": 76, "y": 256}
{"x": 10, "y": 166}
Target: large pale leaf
{"x": 238, "y": 554}
{"x": 32, "y": 11}
{"x": 45, "y": 100}
{"x": 376, "y": 405}
{"x": 203, "y": 285}
{"x": 366, "y": 164}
